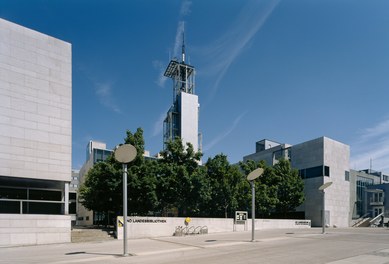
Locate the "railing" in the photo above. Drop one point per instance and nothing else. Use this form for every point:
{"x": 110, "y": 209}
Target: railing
{"x": 361, "y": 219}
{"x": 190, "y": 230}
{"x": 376, "y": 221}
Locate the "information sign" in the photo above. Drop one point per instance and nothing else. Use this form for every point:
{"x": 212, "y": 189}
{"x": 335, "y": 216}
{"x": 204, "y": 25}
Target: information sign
{"x": 240, "y": 217}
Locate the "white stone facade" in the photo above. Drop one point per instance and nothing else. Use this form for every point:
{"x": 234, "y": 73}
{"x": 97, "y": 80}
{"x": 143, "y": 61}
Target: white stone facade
{"x": 189, "y": 108}
{"x": 319, "y": 160}
{"x": 334, "y": 155}
{"x": 35, "y": 104}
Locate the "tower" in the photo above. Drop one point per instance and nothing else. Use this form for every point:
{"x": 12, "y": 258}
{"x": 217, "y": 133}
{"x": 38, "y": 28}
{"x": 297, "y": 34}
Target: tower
{"x": 183, "y": 116}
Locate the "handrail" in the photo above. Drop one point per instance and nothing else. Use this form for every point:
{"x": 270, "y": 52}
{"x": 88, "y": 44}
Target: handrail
{"x": 376, "y": 218}
{"x": 361, "y": 219}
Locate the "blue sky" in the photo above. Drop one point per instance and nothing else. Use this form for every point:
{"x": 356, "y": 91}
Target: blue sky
{"x": 284, "y": 70}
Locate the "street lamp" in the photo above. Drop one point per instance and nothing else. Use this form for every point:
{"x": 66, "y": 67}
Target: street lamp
{"x": 125, "y": 154}
{"x": 251, "y": 177}
{"x": 323, "y": 217}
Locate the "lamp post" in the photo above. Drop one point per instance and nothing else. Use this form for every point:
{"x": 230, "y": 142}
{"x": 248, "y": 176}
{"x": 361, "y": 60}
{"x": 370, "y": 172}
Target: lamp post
{"x": 251, "y": 177}
{"x": 323, "y": 219}
{"x": 125, "y": 154}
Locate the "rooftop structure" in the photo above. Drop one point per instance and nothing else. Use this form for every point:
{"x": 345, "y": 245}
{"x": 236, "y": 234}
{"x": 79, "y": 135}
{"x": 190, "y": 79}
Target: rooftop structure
{"x": 183, "y": 116}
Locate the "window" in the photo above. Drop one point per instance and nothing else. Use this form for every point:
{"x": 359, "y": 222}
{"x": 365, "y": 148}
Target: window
{"x": 347, "y": 176}
{"x": 313, "y": 172}
{"x": 361, "y": 183}
{"x": 326, "y": 171}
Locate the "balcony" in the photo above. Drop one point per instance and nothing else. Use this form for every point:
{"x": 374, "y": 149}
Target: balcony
{"x": 375, "y": 202}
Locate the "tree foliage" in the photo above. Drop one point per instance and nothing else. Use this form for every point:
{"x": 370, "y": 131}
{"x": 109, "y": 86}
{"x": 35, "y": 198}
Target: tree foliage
{"x": 225, "y": 184}
{"x": 290, "y": 191}
{"x": 216, "y": 189}
{"x": 182, "y": 183}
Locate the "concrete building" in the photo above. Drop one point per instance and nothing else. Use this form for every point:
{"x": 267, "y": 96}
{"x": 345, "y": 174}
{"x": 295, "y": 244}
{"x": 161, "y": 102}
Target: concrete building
{"x": 319, "y": 161}
{"x": 182, "y": 119}
{"x": 35, "y": 131}
{"x": 95, "y": 152}
{"x": 369, "y": 195}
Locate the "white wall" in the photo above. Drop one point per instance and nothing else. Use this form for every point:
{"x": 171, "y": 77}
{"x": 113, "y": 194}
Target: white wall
{"x": 189, "y": 119}
{"x": 35, "y": 104}
{"x": 142, "y": 227}
{"x": 18, "y": 229}
{"x": 336, "y": 156}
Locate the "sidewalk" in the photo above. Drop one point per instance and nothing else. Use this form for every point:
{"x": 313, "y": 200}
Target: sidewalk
{"x": 337, "y": 246}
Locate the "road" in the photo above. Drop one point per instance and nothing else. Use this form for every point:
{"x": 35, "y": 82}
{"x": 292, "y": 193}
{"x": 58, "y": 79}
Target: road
{"x": 337, "y": 246}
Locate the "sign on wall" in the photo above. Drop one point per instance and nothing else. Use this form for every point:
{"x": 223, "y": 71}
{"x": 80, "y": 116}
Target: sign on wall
{"x": 240, "y": 217}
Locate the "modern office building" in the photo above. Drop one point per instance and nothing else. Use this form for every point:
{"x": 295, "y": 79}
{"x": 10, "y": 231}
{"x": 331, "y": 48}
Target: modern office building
{"x": 95, "y": 152}
{"x": 319, "y": 161}
{"x": 368, "y": 199}
{"x": 35, "y": 124}
{"x": 182, "y": 119}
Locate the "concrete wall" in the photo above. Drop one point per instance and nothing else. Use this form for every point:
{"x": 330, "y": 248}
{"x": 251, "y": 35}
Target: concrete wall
{"x": 325, "y": 152}
{"x": 35, "y": 104}
{"x": 141, "y": 227}
{"x": 336, "y": 156}
{"x": 18, "y": 229}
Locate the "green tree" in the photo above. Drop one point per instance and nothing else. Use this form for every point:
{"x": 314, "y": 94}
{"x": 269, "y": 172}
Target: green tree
{"x": 182, "y": 184}
{"x": 226, "y": 181}
{"x": 101, "y": 189}
{"x": 279, "y": 190}
{"x": 290, "y": 191}
{"x": 265, "y": 187}
{"x": 141, "y": 179}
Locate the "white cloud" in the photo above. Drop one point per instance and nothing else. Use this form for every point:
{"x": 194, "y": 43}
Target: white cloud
{"x": 178, "y": 39}
{"x": 222, "y": 53}
{"x": 224, "y": 134}
{"x": 184, "y": 11}
{"x": 159, "y": 65}
{"x": 372, "y": 144}
{"x": 185, "y": 8}
{"x": 104, "y": 93}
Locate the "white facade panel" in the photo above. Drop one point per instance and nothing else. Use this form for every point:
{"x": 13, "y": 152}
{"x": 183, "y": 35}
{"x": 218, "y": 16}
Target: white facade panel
{"x": 35, "y": 97}
{"x": 189, "y": 106}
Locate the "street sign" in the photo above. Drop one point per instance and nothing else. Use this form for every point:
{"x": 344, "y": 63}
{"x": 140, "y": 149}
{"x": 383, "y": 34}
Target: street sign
{"x": 240, "y": 217}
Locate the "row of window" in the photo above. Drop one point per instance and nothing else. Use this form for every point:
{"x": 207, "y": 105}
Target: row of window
{"x": 313, "y": 172}
{"x": 30, "y": 194}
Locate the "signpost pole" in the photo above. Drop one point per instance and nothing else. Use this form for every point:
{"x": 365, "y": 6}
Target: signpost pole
{"x": 323, "y": 217}
{"x": 251, "y": 177}
{"x": 252, "y": 210}
{"x": 324, "y": 213}
{"x": 125, "y": 247}
{"x": 125, "y": 154}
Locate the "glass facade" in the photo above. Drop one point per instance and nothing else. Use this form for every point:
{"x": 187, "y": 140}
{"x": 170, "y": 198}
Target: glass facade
{"x": 362, "y": 182}
{"x": 30, "y": 201}
{"x": 100, "y": 155}
{"x": 313, "y": 172}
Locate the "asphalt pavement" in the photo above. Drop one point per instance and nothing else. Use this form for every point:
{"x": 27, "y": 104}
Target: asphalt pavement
{"x": 337, "y": 246}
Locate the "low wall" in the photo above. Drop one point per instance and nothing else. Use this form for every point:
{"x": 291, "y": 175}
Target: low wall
{"x": 142, "y": 227}
{"x": 23, "y": 229}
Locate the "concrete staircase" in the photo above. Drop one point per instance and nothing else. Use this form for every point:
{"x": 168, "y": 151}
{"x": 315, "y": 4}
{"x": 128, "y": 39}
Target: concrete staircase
{"x": 87, "y": 234}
